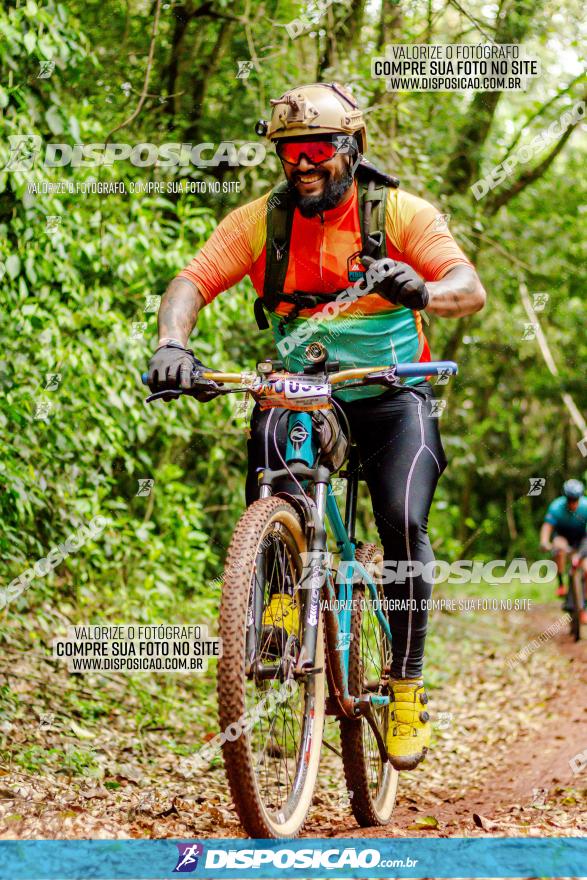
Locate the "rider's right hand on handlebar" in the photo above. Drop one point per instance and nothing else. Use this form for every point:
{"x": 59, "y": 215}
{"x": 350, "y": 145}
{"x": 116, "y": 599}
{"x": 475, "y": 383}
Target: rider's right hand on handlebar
{"x": 397, "y": 282}
{"x": 174, "y": 367}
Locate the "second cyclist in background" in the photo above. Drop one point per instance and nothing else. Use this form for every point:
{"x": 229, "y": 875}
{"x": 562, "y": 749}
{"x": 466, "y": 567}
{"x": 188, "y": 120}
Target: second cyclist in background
{"x": 564, "y": 530}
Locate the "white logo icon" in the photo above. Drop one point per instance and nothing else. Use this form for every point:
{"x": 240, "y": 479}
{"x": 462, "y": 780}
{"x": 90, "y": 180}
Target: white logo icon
{"x": 540, "y": 301}
{"x": 46, "y": 68}
{"x": 437, "y": 407}
{"x": 53, "y": 381}
{"x": 244, "y": 69}
{"x": 52, "y": 223}
{"x": 24, "y": 150}
{"x": 152, "y": 303}
{"x": 42, "y": 410}
{"x": 536, "y": 485}
{"x": 441, "y": 222}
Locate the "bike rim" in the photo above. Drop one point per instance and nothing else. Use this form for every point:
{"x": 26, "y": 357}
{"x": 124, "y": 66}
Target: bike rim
{"x": 577, "y": 605}
{"x": 375, "y": 658}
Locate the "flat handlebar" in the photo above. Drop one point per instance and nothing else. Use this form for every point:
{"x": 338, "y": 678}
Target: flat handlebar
{"x": 405, "y": 371}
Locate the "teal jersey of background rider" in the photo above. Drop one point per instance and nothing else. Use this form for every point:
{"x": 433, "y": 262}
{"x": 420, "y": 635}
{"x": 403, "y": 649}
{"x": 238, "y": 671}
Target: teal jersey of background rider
{"x": 571, "y": 524}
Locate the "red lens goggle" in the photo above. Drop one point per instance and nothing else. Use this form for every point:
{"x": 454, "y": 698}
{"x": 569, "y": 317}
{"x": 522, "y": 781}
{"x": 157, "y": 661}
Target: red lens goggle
{"x": 315, "y": 151}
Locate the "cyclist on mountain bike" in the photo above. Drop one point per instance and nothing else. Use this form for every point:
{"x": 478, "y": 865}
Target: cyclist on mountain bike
{"x": 311, "y": 238}
{"x": 564, "y": 530}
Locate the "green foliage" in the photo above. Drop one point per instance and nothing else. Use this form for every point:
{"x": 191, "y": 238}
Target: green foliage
{"x": 72, "y": 294}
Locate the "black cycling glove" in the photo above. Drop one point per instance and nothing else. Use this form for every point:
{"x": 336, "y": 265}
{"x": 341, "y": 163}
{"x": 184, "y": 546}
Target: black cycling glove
{"x": 398, "y": 283}
{"x": 173, "y": 367}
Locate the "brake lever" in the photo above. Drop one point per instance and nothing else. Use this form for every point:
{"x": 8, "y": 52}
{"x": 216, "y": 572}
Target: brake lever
{"x": 170, "y": 394}
{"x": 384, "y": 377}
{"x": 174, "y": 393}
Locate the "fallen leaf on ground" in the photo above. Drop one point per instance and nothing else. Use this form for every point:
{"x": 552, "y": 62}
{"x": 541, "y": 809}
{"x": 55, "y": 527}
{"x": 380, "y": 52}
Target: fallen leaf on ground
{"x": 423, "y": 822}
{"x": 482, "y": 822}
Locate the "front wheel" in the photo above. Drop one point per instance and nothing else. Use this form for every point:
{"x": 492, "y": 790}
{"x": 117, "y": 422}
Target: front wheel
{"x": 371, "y": 780}
{"x": 271, "y": 719}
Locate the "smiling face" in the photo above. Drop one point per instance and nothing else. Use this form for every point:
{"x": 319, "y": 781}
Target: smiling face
{"x": 317, "y": 188}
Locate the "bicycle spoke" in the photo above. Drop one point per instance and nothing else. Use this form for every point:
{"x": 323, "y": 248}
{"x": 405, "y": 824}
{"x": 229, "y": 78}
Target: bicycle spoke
{"x": 375, "y": 656}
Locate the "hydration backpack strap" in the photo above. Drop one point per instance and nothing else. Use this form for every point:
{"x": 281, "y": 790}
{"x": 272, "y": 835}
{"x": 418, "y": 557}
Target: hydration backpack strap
{"x": 280, "y": 213}
{"x": 372, "y": 205}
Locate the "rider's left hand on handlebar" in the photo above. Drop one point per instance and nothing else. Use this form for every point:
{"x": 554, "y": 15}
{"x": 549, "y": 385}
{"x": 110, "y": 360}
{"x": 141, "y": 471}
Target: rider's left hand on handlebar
{"x": 174, "y": 367}
{"x": 399, "y": 284}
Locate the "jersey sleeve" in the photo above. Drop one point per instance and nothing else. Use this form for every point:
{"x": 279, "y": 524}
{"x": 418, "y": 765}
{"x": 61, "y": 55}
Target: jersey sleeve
{"x": 420, "y": 233}
{"x": 231, "y": 251}
{"x": 552, "y": 514}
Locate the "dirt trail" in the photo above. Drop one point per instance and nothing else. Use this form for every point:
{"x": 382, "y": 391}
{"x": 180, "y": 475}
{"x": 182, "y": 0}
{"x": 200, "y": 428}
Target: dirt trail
{"x": 503, "y": 756}
{"x": 526, "y": 783}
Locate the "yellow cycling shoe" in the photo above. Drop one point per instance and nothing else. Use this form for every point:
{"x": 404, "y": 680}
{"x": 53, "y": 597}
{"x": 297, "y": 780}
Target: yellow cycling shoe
{"x": 281, "y": 619}
{"x": 408, "y": 736}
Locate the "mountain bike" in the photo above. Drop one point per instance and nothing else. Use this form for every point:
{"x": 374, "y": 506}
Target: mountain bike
{"x": 277, "y": 683}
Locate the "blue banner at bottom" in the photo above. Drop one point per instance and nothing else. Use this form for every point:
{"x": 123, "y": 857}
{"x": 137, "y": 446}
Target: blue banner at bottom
{"x": 336, "y": 858}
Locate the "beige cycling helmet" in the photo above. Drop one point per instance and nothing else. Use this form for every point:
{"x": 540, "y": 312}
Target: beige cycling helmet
{"x": 320, "y": 108}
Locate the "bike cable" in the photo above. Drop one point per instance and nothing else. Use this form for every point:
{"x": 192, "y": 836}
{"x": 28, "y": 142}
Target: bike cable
{"x": 283, "y": 461}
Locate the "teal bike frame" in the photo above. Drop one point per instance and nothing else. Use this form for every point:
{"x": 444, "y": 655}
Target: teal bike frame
{"x": 301, "y": 450}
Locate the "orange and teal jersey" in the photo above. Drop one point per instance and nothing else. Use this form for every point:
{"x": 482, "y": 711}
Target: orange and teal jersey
{"x": 324, "y": 258}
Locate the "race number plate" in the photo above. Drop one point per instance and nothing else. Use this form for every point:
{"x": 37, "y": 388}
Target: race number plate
{"x": 298, "y": 390}
{"x": 295, "y": 394}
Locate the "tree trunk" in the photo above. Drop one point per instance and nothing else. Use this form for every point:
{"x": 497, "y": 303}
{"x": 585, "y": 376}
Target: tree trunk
{"x": 341, "y": 33}
{"x": 465, "y": 162}
{"x": 509, "y": 513}
{"x": 204, "y": 77}
{"x": 182, "y": 21}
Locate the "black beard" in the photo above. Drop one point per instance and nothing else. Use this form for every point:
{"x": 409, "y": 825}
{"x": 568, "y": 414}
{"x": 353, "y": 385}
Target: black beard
{"x": 334, "y": 190}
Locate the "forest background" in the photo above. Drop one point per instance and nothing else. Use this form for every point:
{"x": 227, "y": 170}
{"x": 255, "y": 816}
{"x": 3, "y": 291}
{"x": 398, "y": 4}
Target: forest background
{"x": 77, "y": 272}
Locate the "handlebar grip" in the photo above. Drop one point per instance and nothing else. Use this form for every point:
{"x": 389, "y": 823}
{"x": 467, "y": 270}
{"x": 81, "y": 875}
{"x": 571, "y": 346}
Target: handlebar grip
{"x": 427, "y": 368}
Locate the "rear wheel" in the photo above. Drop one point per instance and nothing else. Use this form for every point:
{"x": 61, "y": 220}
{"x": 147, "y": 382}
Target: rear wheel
{"x": 577, "y": 599}
{"x": 272, "y": 720}
{"x": 371, "y": 780}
